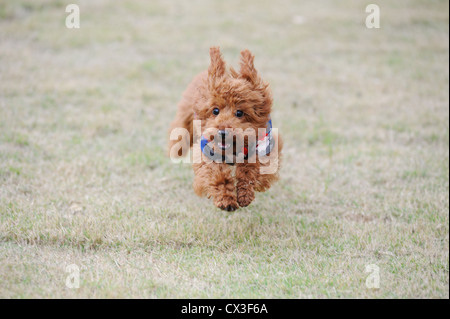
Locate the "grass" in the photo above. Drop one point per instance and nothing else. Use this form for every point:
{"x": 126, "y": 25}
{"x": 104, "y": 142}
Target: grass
{"x": 84, "y": 179}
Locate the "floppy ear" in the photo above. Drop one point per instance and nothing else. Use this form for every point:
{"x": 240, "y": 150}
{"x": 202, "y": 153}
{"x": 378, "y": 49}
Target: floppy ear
{"x": 249, "y": 73}
{"x": 248, "y": 70}
{"x": 217, "y": 67}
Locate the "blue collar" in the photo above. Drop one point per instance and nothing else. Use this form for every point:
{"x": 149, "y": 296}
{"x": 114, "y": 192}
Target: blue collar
{"x": 263, "y": 146}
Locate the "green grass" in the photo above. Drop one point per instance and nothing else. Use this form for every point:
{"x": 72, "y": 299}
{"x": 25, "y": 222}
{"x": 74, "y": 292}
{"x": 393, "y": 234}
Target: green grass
{"x": 84, "y": 179}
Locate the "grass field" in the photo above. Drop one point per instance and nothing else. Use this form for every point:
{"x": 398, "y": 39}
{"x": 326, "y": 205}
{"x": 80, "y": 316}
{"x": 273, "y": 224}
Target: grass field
{"x": 84, "y": 178}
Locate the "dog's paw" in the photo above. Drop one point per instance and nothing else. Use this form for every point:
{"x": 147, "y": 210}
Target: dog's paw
{"x": 227, "y": 203}
{"x": 245, "y": 197}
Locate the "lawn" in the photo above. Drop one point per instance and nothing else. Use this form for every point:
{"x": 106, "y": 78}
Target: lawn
{"x": 85, "y": 181}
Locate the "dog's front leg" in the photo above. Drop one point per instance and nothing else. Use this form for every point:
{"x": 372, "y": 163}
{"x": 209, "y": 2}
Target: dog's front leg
{"x": 246, "y": 176}
{"x": 216, "y": 181}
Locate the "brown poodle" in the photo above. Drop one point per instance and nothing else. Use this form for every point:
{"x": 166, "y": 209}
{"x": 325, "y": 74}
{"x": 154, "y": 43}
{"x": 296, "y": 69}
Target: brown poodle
{"x": 224, "y": 116}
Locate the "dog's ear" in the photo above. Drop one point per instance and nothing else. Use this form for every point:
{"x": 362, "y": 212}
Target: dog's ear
{"x": 248, "y": 70}
{"x": 217, "y": 67}
{"x": 249, "y": 73}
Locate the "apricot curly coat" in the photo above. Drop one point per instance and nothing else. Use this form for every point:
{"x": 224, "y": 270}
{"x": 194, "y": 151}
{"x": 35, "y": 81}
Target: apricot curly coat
{"x": 228, "y": 91}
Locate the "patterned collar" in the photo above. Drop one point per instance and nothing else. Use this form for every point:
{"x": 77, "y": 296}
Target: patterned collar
{"x": 263, "y": 146}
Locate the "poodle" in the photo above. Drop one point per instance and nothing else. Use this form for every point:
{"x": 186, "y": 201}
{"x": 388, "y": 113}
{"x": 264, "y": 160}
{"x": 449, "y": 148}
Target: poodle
{"x": 224, "y": 117}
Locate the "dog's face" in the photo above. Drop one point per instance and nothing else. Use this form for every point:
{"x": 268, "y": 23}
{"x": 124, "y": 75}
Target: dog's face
{"x": 235, "y": 102}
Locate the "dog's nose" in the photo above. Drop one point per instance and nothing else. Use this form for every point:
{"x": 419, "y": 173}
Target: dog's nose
{"x": 222, "y": 133}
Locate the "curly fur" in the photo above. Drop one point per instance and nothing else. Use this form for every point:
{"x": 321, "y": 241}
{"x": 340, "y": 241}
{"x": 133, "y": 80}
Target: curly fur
{"x": 229, "y": 91}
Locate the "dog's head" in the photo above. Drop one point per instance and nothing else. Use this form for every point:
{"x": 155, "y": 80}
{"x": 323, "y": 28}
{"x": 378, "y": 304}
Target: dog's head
{"x": 235, "y": 101}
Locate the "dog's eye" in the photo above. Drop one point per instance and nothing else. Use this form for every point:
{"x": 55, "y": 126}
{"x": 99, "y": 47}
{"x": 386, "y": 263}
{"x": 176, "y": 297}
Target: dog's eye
{"x": 216, "y": 111}
{"x": 239, "y": 113}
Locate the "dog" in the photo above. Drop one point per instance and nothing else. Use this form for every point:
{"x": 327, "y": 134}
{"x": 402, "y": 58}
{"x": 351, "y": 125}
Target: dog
{"x": 238, "y": 152}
